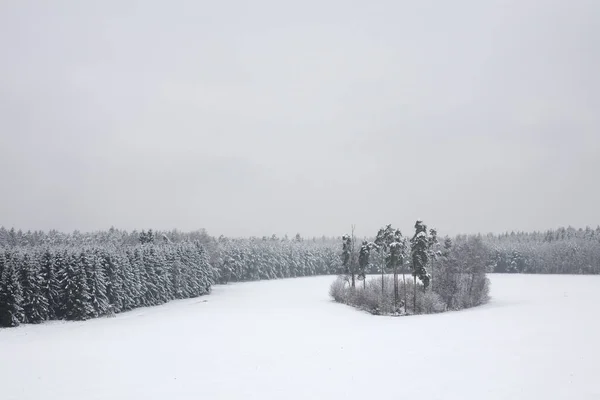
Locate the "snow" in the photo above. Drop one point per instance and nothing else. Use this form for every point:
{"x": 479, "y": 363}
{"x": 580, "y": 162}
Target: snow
{"x": 537, "y": 339}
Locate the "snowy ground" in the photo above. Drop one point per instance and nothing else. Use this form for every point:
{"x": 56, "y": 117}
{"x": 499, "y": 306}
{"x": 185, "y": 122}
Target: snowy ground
{"x": 539, "y": 338}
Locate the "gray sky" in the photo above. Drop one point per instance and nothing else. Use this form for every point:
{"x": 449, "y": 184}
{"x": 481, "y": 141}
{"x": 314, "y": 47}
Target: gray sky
{"x": 259, "y": 117}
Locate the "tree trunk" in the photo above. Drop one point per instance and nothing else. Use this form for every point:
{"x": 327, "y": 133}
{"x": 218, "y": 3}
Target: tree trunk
{"x": 404, "y": 279}
{"x": 352, "y": 259}
{"x": 471, "y": 288}
{"x": 395, "y": 288}
{"x": 382, "y": 272}
{"x": 415, "y": 295}
{"x": 454, "y": 288}
{"x": 432, "y": 265}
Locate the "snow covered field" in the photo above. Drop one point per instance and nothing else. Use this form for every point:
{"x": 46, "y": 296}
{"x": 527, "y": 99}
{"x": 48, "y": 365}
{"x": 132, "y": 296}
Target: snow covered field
{"x": 539, "y": 338}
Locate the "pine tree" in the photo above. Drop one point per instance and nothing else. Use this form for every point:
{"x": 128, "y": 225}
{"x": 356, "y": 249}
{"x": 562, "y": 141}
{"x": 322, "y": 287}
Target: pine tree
{"x": 140, "y": 278}
{"x": 395, "y": 259}
{"x": 4, "y": 238}
{"x": 50, "y": 283}
{"x": 419, "y": 246}
{"x": 156, "y": 274}
{"x": 61, "y": 263}
{"x": 385, "y": 237}
{"x": 189, "y": 259}
{"x": 162, "y": 274}
{"x": 2, "y": 259}
{"x": 78, "y": 305}
{"x": 35, "y": 305}
{"x": 114, "y": 284}
{"x": 432, "y": 241}
{"x": 176, "y": 275}
{"x": 363, "y": 260}
{"x": 11, "y": 296}
{"x": 446, "y": 281}
{"x": 13, "y": 239}
{"x": 131, "y": 283}
{"x": 146, "y": 237}
{"x": 204, "y": 271}
{"x": 347, "y": 257}
{"x": 96, "y": 282}
{"x": 148, "y": 291}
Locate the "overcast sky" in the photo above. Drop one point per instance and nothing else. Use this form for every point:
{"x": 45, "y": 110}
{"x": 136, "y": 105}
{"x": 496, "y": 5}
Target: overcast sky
{"x": 259, "y": 117}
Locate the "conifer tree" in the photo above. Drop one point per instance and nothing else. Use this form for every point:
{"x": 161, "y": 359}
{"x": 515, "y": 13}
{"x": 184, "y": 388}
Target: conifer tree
{"x": 419, "y": 246}
{"x": 364, "y": 257}
{"x": 4, "y": 238}
{"x": 156, "y": 272}
{"x": 96, "y": 282}
{"x": 432, "y": 241}
{"x": 347, "y": 256}
{"x": 114, "y": 284}
{"x": 148, "y": 291}
{"x": 78, "y": 305}
{"x": 205, "y": 272}
{"x": 395, "y": 259}
{"x": 50, "y": 283}
{"x": 131, "y": 282}
{"x": 61, "y": 263}
{"x": 2, "y": 259}
{"x": 35, "y": 305}
{"x": 11, "y": 296}
{"x": 383, "y": 240}
{"x": 446, "y": 281}
{"x": 176, "y": 275}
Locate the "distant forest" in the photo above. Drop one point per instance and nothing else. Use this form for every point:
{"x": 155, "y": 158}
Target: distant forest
{"x": 560, "y": 251}
{"x": 76, "y": 276}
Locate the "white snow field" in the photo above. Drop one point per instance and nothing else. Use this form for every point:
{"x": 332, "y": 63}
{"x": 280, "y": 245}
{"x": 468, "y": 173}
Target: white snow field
{"x": 539, "y": 338}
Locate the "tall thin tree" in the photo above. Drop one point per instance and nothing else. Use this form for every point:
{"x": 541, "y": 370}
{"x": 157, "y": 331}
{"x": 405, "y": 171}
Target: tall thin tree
{"x": 432, "y": 242}
{"x": 419, "y": 246}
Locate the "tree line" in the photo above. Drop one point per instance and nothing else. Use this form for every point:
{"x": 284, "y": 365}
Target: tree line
{"x": 77, "y": 283}
{"x": 56, "y": 276}
{"x": 255, "y": 259}
{"x": 560, "y": 251}
{"x": 123, "y": 270}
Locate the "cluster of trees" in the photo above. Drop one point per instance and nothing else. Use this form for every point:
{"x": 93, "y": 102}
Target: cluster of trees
{"x": 561, "y": 251}
{"x": 459, "y": 273}
{"x": 448, "y": 276}
{"x": 39, "y": 283}
{"x": 255, "y": 259}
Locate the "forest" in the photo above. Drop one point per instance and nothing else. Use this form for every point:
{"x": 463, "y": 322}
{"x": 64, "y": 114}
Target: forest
{"x": 56, "y": 276}
{"x": 76, "y": 276}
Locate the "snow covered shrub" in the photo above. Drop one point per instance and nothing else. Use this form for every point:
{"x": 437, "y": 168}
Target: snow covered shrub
{"x": 375, "y": 300}
{"x": 338, "y": 291}
{"x": 372, "y": 298}
{"x": 430, "y": 303}
{"x": 369, "y": 299}
{"x": 480, "y": 291}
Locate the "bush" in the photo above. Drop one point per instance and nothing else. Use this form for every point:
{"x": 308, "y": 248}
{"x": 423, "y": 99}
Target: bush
{"x": 337, "y": 290}
{"x": 430, "y": 303}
